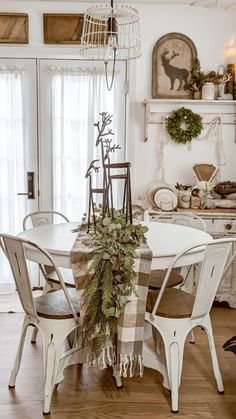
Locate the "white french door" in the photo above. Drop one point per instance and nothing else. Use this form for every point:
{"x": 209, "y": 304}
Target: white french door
{"x": 47, "y": 136}
{"x": 18, "y": 148}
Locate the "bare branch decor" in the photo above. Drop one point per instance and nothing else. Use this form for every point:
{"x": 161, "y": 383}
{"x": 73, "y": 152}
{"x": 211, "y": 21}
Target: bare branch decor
{"x": 172, "y": 61}
{"x": 14, "y": 28}
{"x": 60, "y": 28}
{"x": 112, "y": 172}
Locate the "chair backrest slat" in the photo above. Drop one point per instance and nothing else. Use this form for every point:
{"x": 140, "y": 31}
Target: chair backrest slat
{"x": 39, "y": 218}
{"x": 15, "y": 253}
{"x": 216, "y": 255}
{"x": 183, "y": 218}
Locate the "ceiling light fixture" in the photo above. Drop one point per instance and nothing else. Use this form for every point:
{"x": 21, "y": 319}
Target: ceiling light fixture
{"x": 110, "y": 33}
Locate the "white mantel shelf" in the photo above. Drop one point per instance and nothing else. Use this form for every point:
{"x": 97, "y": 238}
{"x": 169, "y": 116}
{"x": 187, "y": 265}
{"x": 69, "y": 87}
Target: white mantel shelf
{"x": 157, "y": 110}
{"x": 191, "y": 101}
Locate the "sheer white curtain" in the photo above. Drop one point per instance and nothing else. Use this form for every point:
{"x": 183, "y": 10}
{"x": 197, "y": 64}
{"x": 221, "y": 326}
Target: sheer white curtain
{"x": 78, "y": 96}
{"x": 12, "y": 209}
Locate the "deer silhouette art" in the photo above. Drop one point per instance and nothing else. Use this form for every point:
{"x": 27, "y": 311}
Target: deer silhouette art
{"x": 173, "y": 72}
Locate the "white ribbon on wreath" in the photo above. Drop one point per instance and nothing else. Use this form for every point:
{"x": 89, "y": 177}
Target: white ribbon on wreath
{"x": 213, "y": 132}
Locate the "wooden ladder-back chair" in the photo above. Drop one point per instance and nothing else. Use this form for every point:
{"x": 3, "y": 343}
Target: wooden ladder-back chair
{"x": 173, "y": 313}
{"x": 55, "y": 315}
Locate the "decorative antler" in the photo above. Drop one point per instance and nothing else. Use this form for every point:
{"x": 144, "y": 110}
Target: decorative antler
{"x": 174, "y": 54}
{"x": 92, "y": 167}
{"x": 106, "y": 120}
{"x": 226, "y": 77}
{"x": 165, "y": 52}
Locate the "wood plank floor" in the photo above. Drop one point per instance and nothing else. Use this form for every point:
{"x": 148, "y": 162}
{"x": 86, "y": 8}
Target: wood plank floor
{"x": 93, "y": 395}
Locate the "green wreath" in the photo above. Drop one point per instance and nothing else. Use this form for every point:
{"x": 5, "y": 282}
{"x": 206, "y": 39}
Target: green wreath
{"x": 180, "y": 133}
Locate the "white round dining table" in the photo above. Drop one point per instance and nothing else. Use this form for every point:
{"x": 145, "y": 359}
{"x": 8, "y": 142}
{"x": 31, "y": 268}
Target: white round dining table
{"x": 165, "y": 241}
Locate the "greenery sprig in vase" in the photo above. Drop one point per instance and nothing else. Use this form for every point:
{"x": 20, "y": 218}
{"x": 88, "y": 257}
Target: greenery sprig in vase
{"x": 112, "y": 274}
{"x": 198, "y": 78}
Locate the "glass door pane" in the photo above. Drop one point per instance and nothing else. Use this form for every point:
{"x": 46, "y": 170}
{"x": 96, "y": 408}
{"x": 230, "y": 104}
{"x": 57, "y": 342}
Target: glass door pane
{"x": 73, "y": 94}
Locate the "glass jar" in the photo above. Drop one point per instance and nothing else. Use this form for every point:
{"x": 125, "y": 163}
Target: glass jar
{"x": 208, "y": 91}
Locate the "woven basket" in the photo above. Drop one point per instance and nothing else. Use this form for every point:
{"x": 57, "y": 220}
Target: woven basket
{"x": 225, "y": 188}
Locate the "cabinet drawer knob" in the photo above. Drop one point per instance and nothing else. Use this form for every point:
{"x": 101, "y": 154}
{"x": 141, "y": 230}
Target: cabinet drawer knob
{"x": 228, "y": 226}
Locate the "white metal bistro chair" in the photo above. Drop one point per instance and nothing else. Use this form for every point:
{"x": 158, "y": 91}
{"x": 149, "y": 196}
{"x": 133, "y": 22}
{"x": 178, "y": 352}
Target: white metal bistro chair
{"x": 173, "y": 313}
{"x": 187, "y": 219}
{"x": 55, "y": 315}
{"x": 180, "y": 218}
{"x": 39, "y": 218}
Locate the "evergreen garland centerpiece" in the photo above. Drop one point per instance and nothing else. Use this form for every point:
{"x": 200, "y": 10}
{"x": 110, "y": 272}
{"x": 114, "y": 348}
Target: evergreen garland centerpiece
{"x": 112, "y": 274}
{"x": 183, "y": 125}
{"x": 112, "y": 241}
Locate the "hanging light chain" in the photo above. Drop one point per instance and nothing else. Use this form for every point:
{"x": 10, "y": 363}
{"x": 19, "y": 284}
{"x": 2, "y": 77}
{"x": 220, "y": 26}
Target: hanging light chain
{"x": 111, "y": 33}
{"x": 109, "y": 86}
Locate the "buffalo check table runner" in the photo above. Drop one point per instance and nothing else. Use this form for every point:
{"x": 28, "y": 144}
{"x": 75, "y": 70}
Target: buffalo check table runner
{"x": 127, "y": 354}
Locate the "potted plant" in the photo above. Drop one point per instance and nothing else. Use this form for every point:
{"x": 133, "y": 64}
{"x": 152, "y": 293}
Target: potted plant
{"x": 199, "y": 78}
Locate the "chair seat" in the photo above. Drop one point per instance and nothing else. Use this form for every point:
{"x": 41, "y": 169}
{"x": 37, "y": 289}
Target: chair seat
{"x": 54, "y": 305}
{"x": 67, "y": 276}
{"x": 175, "y": 303}
{"x": 157, "y": 276}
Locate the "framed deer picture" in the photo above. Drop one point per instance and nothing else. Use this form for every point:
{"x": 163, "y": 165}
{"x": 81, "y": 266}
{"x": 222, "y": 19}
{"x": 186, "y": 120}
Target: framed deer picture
{"x": 173, "y": 58}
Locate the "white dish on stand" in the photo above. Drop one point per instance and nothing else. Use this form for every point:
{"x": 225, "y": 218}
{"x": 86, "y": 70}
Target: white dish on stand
{"x": 152, "y": 188}
{"x": 165, "y": 199}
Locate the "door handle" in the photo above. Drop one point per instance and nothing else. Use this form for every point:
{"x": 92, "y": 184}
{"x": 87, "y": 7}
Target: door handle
{"x": 30, "y": 181}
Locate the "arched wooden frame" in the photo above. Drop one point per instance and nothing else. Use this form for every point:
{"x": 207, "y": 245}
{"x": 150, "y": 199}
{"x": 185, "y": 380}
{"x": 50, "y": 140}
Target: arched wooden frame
{"x": 179, "y": 70}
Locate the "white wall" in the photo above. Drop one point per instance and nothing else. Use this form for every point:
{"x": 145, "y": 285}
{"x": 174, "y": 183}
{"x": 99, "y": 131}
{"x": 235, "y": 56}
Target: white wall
{"x": 210, "y": 29}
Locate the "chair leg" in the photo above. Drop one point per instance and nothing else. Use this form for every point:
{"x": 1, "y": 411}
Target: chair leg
{"x": 16, "y": 367}
{"x": 191, "y": 337}
{"x": 52, "y": 350}
{"x": 174, "y": 376}
{"x": 48, "y": 387}
{"x": 34, "y": 335}
{"x": 53, "y": 354}
{"x": 152, "y": 360}
{"x": 117, "y": 377}
{"x": 208, "y": 327}
{"x": 174, "y": 361}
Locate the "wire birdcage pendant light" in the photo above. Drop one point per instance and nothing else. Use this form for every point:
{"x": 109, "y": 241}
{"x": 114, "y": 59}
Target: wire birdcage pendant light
{"x": 110, "y": 33}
